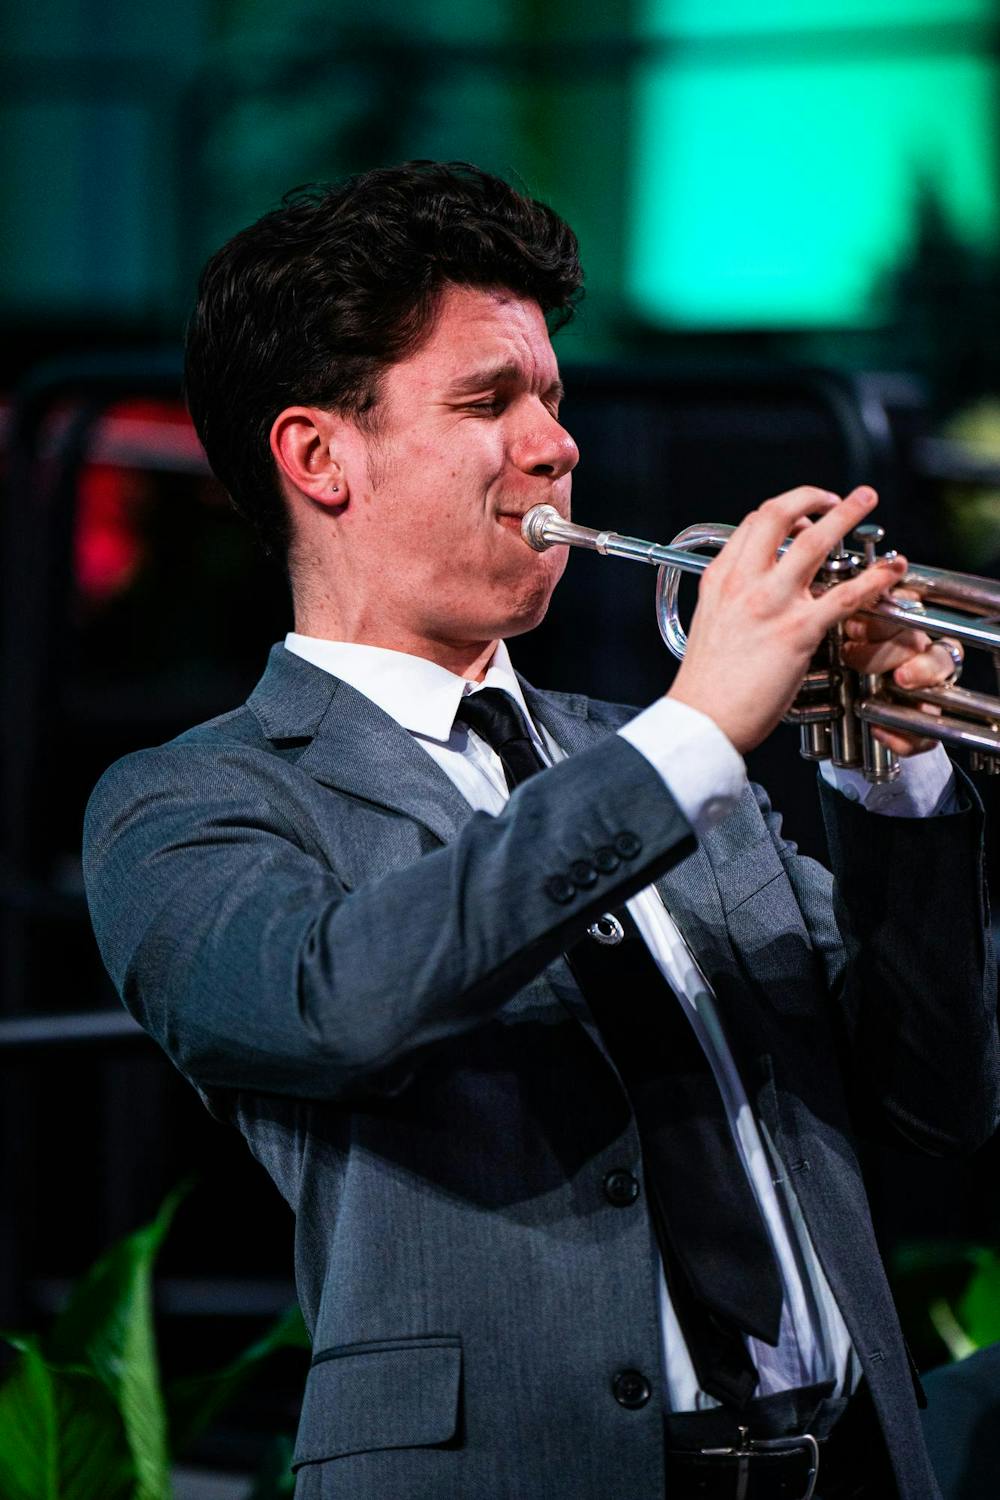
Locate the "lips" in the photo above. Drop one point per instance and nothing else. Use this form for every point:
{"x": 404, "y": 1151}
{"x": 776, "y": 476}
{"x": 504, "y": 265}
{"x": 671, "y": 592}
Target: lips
{"x": 512, "y": 519}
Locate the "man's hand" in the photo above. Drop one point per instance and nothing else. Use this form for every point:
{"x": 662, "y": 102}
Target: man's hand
{"x": 758, "y": 622}
{"x": 914, "y": 659}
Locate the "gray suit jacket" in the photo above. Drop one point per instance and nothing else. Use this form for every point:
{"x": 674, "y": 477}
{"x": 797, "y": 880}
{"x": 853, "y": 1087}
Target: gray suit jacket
{"x": 365, "y": 977}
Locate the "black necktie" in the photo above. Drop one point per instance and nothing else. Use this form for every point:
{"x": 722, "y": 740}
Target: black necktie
{"x": 723, "y": 1278}
{"x": 496, "y": 718}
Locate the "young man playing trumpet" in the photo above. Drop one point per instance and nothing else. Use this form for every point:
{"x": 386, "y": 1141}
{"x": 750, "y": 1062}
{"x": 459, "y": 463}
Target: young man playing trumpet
{"x": 559, "y": 1052}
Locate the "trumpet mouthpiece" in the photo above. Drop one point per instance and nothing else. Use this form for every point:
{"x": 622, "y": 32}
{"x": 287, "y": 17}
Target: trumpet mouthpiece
{"x": 534, "y": 523}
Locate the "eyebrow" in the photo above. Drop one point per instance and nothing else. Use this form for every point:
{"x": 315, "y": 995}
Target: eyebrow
{"x": 492, "y": 375}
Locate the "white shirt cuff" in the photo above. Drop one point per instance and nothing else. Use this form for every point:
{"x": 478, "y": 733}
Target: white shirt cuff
{"x": 922, "y": 788}
{"x": 700, "y": 767}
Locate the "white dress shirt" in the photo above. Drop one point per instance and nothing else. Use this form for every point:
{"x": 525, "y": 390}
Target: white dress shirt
{"x": 706, "y": 776}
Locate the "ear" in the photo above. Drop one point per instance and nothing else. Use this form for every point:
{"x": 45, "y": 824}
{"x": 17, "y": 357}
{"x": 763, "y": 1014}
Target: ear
{"x": 304, "y": 441}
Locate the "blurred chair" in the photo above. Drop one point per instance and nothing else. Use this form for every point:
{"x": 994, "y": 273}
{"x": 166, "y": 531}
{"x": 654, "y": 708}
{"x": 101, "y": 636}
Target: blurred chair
{"x": 962, "y": 1425}
{"x": 85, "y": 679}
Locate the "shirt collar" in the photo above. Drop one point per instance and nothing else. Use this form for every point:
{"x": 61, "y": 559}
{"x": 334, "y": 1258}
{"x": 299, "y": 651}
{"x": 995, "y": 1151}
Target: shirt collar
{"x": 420, "y": 695}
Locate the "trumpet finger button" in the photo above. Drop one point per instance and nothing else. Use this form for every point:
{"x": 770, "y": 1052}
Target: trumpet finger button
{"x": 869, "y": 536}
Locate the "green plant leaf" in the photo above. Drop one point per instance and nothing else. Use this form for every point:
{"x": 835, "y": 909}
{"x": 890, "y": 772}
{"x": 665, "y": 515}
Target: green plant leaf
{"x": 194, "y": 1403}
{"x": 107, "y": 1327}
{"x": 82, "y": 1416}
{"x": 950, "y": 1330}
{"x": 979, "y": 1309}
{"x": 61, "y": 1437}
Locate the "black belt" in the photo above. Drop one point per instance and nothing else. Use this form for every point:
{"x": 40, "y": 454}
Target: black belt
{"x": 834, "y": 1453}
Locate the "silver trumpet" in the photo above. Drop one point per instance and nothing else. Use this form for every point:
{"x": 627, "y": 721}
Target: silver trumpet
{"x": 836, "y": 708}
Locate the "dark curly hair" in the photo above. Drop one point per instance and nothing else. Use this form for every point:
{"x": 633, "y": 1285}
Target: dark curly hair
{"x": 312, "y": 302}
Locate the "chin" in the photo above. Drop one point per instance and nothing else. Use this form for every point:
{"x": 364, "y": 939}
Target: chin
{"x": 529, "y": 603}
{"x": 525, "y": 616}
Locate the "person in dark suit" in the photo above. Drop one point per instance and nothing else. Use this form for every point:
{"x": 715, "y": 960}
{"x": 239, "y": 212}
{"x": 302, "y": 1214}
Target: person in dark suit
{"x": 558, "y": 1050}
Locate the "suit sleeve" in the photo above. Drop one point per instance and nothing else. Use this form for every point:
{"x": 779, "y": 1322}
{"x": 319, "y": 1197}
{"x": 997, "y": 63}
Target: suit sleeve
{"x": 902, "y": 930}
{"x": 255, "y": 966}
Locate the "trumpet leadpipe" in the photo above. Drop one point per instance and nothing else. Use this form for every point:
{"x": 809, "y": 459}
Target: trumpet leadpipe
{"x": 543, "y": 527}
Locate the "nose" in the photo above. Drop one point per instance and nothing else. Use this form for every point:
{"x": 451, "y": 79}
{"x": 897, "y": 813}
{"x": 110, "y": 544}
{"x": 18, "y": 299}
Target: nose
{"x": 546, "y": 448}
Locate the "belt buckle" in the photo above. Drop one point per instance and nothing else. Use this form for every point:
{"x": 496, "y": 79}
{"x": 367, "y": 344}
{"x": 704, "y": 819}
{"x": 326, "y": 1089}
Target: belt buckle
{"x": 749, "y": 1447}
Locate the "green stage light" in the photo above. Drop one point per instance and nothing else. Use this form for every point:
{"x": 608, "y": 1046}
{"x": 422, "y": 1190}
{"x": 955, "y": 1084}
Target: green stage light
{"x": 781, "y": 150}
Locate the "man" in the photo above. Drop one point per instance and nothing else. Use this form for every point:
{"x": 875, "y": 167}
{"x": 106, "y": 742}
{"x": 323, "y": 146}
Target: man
{"x": 526, "y": 1255}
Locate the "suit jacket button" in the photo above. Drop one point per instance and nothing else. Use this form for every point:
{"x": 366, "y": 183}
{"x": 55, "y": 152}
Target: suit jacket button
{"x": 621, "y": 1188}
{"x": 583, "y": 874}
{"x": 631, "y": 1389}
{"x": 560, "y": 888}
{"x": 627, "y": 844}
{"x": 606, "y": 860}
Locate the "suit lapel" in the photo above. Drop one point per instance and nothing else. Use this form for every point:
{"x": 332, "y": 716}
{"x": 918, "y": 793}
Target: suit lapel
{"x": 352, "y": 745}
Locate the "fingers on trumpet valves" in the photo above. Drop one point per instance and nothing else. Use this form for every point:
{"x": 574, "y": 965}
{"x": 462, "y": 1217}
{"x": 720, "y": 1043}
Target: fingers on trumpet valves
{"x": 812, "y": 545}
{"x": 763, "y": 530}
{"x": 861, "y": 592}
